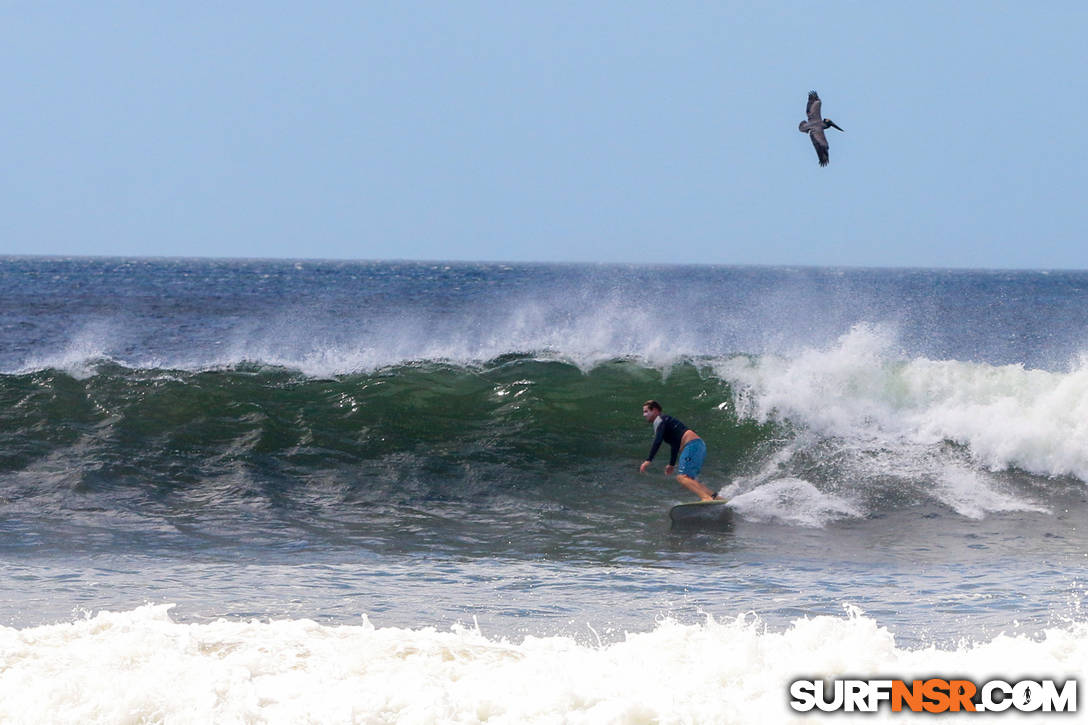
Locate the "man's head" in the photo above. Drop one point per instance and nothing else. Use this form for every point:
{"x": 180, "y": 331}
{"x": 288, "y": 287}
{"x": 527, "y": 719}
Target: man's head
{"x": 650, "y": 410}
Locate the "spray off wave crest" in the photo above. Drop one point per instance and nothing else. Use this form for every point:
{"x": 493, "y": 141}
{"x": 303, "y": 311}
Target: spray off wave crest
{"x": 576, "y": 327}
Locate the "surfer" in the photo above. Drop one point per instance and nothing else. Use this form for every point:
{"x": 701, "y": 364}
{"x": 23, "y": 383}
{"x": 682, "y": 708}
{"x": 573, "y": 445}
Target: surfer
{"x": 685, "y": 444}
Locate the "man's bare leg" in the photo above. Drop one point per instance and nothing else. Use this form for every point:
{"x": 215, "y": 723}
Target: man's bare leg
{"x": 695, "y": 487}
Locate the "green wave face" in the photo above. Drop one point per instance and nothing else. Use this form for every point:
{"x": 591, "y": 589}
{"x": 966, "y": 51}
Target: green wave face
{"x": 518, "y": 457}
{"x": 425, "y": 430}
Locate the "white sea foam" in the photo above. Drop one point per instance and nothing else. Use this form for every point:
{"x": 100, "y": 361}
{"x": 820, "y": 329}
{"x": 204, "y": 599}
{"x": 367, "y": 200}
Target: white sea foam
{"x": 792, "y": 501}
{"x": 141, "y": 666}
{"x": 863, "y": 391}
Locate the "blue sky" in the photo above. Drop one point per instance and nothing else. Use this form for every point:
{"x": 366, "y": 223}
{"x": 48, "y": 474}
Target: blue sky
{"x": 557, "y": 131}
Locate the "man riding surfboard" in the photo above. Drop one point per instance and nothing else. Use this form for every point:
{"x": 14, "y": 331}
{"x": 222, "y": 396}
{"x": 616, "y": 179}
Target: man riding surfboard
{"x": 685, "y": 445}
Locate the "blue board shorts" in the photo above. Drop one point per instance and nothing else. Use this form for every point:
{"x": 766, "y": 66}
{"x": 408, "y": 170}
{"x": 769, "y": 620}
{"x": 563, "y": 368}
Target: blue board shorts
{"x": 691, "y": 459}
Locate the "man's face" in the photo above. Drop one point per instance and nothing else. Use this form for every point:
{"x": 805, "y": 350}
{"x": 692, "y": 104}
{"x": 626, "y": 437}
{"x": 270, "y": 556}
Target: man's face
{"x": 648, "y": 413}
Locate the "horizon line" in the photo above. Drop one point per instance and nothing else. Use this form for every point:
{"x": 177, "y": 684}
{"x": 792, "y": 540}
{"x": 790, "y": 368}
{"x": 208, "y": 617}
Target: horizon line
{"x": 532, "y": 263}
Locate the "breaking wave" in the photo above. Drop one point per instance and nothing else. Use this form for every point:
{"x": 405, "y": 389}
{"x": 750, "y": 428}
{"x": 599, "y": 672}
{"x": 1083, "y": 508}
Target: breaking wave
{"x": 141, "y": 665}
{"x": 844, "y": 431}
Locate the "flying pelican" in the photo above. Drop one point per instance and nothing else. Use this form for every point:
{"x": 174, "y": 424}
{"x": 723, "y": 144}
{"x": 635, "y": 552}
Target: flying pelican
{"x": 815, "y": 126}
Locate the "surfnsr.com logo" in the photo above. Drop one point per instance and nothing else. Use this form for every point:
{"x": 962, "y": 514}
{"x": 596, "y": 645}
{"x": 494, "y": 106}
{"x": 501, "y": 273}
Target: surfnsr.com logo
{"x": 934, "y": 695}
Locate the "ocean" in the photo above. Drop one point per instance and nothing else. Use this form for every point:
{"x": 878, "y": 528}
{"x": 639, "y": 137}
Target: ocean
{"x": 317, "y": 491}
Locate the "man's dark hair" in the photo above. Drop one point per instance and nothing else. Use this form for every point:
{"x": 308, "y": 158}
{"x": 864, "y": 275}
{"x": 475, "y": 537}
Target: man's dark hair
{"x": 652, "y": 405}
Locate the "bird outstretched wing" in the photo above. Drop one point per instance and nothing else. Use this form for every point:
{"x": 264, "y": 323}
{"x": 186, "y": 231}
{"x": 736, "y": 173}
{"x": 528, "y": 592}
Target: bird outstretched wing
{"x": 813, "y": 108}
{"x": 819, "y": 140}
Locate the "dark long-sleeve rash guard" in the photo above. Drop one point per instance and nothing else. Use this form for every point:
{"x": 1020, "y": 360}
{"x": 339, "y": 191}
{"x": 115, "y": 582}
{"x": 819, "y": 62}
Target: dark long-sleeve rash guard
{"x": 671, "y": 431}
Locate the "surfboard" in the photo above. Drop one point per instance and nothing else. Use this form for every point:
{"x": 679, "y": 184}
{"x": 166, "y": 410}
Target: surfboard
{"x": 701, "y": 513}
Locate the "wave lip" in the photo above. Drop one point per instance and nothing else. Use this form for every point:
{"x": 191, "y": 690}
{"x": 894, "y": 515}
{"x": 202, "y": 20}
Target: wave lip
{"x": 141, "y": 665}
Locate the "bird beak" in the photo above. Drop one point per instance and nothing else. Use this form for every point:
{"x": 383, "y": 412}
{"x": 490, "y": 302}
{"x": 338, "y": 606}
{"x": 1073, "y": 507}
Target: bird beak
{"x": 834, "y": 125}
